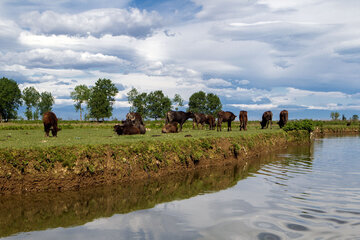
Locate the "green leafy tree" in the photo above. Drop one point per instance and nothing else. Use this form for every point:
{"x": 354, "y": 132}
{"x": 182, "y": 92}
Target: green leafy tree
{"x": 80, "y": 95}
{"x": 46, "y": 102}
{"x": 213, "y": 104}
{"x": 343, "y": 117}
{"x": 138, "y": 102}
{"x": 102, "y": 97}
{"x": 157, "y": 104}
{"x": 200, "y": 102}
{"x": 31, "y": 98}
{"x": 334, "y": 115}
{"x": 197, "y": 102}
{"x": 355, "y": 117}
{"x": 178, "y": 101}
{"x": 10, "y": 98}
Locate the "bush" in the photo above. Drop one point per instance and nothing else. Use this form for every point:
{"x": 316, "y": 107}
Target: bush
{"x": 297, "y": 125}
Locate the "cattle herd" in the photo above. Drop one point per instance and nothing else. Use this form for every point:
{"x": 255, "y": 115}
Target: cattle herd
{"x": 134, "y": 123}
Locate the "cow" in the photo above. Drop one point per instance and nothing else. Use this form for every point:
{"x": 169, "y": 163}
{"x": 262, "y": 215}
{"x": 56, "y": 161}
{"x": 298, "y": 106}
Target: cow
{"x": 210, "y": 120}
{"x": 178, "y": 116}
{"x": 200, "y": 118}
{"x": 283, "y": 118}
{"x": 266, "y": 120}
{"x": 126, "y": 129}
{"x": 225, "y": 117}
{"x": 135, "y": 117}
{"x": 135, "y": 123}
{"x": 170, "y": 128}
{"x": 243, "y": 120}
{"x": 50, "y": 122}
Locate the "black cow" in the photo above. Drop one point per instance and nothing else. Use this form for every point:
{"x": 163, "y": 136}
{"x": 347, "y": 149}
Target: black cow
{"x": 266, "y": 120}
{"x": 243, "y": 120}
{"x": 50, "y": 122}
{"x": 135, "y": 117}
{"x": 178, "y": 116}
{"x": 225, "y": 117}
{"x": 136, "y": 123}
{"x": 284, "y": 115}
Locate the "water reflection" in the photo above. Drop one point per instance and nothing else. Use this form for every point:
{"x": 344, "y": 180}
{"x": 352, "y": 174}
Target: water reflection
{"x": 300, "y": 193}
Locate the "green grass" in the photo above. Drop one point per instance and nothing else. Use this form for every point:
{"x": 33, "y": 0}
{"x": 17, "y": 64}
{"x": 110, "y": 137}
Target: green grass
{"x": 34, "y": 138}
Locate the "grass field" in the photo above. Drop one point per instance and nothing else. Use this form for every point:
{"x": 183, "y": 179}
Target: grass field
{"x": 103, "y": 134}
{"x": 30, "y": 134}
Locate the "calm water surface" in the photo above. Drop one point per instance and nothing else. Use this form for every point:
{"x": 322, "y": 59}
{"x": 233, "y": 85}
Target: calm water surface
{"x": 307, "y": 192}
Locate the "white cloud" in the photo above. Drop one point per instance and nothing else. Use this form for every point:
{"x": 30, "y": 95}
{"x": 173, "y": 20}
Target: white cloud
{"x": 132, "y": 22}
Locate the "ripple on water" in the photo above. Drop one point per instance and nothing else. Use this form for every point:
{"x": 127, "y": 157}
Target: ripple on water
{"x": 268, "y": 236}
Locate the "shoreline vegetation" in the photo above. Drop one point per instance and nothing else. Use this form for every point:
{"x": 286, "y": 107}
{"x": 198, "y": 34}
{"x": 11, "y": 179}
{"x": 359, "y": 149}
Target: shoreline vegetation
{"x": 90, "y": 154}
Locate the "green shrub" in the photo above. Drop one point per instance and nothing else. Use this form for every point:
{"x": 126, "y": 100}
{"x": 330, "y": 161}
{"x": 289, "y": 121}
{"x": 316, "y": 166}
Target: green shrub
{"x": 297, "y": 125}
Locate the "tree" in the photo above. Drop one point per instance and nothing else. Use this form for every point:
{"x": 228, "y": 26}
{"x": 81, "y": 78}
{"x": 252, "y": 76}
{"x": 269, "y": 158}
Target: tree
{"x": 334, "y": 115}
{"x": 200, "y": 102}
{"x": 80, "y": 95}
{"x": 343, "y": 117}
{"x": 31, "y": 98}
{"x": 197, "y": 102}
{"x": 157, "y": 104}
{"x": 178, "y": 101}
{"x": 102, "y": 97}
{"x": 10, "y": 98}
{"x": 46, "y": 102}
{"x": 213, "y": 104}
{"x": 138, "y": 102}
{"x": 355, "y": 118}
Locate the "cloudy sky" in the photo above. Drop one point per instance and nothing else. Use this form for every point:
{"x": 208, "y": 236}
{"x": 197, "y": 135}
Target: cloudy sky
{"x": 257, "y": 55}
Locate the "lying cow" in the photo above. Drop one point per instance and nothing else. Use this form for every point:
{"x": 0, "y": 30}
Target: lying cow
{"x": 135, "y": 123}
{"x": 170, "y": 128}
{"x": 284, "y": 115}
{"x": 50, "y": 122}
{"x": 225, "y": 117}
{"x": 178, "y": 116}
{"x": 126, "y": 129}
{"x": 243, "y": 120}
{"x": 266, "y": 120}
{"x": 135, "y": 117}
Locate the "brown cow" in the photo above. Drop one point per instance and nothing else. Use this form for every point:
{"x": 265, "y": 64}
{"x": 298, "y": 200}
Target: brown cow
{"x": 199, "y": 118}
{"x": 50, "y": 123}
{"x": 203, "y": 119}
{"x": 266, "y": 119}
{"x": 135, "y": 123}
{"x": 284, "y": 115}
{"x": 170, "y": 128}
{"x": 126, "y": 129}
{"x": 210, "y": 120}
{"x": 135, "y": 117}
{"x": 225, "y": 117}
{"x": 178, "y": 116}
{"x": 243, "y": 120}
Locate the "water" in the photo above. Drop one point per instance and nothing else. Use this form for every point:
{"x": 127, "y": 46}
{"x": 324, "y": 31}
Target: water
{"x": 306, "y": 192}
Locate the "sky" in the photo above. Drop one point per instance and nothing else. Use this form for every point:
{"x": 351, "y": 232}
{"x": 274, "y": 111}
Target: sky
{"x": 256, "y": 55}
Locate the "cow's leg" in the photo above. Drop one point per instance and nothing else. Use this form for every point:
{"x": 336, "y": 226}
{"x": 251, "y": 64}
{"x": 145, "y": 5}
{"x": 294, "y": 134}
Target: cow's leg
{"x": 47, "y": 130}
{"x": 181, "y": 126}
{"x": 229, "y": 125}
{"x": 194, "y": 124}
{"x": 218, "y": 125}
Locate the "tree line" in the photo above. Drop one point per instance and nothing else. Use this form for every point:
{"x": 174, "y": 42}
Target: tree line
{"x": 98, "y": 100}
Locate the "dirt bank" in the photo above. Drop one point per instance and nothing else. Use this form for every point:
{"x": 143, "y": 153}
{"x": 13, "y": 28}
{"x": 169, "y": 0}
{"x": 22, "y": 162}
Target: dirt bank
{"x": 68, "y": 168}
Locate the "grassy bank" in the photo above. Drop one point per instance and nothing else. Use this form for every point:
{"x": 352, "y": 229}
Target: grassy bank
{"x": 92, "y": 154}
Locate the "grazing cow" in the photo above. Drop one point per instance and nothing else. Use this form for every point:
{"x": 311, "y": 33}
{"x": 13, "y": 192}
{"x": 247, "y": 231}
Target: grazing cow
{"x": 211, "y": 121}
{"x": 170, "y": 128}
{"x": 126, "y": 129}
{"x": 225, "y": 117}
{"x": 178, "y": 116}
{"x": 283, "y": 118}
{"x": 199, "y": 118}
{"x": 243, "y": 120}
{"x": 50, "y": 123}
{"x": 203, "y": 119}
{"x": 135, "y": 117}
{"x": 266, "y": 120}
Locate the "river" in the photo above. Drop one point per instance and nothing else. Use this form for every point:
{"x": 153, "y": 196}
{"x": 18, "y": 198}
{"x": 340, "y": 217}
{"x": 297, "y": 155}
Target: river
{"x": 303, "y": 192}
